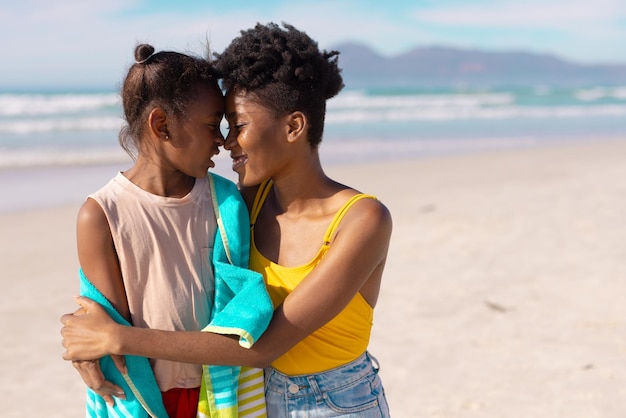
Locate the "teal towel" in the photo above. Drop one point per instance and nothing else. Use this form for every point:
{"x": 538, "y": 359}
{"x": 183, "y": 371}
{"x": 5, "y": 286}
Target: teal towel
{"x": 241, "y": 307}
{"x": 145, "y": 400}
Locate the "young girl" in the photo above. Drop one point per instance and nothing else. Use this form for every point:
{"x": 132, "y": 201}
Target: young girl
{"x": 320, "y": 245}
{"x": 150, "y": 248}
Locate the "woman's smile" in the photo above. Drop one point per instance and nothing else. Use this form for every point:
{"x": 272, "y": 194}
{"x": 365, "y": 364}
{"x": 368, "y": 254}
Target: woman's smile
{"x": 239, "y": 161}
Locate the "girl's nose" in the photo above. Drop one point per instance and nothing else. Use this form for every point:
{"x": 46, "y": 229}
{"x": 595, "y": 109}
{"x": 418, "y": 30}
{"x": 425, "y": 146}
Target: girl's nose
{"x": 219, "y": 140}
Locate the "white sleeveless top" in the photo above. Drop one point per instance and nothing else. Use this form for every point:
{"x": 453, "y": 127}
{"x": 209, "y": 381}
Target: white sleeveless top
{"x": 163, "y": 245}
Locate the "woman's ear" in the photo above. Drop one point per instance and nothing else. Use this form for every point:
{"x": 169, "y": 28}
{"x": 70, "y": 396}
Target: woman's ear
{"x": 157, "y": 124}
{"x": 296, "y": 125}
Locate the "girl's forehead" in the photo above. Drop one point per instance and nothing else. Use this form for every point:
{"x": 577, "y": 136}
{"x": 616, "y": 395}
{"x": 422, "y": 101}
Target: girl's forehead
{"x": 205, "y": 101}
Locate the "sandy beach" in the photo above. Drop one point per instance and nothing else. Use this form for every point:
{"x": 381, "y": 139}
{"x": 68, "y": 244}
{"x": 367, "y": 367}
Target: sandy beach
{"x": 503, "y": 294}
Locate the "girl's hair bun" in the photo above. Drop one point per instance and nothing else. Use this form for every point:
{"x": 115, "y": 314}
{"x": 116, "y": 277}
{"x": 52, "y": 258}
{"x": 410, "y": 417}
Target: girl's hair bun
{"x": 143, "y": 52}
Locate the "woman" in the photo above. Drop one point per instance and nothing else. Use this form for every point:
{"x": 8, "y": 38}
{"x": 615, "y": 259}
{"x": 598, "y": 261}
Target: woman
{"x": 321, "y": 245}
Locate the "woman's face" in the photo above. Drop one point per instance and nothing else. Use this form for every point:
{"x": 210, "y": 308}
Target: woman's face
{"x": 256, "y": 139}
{"x": 195, "y": 135}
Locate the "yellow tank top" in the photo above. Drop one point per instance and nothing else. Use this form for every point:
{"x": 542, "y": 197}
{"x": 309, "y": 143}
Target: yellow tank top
{"x": 339, "y": 341}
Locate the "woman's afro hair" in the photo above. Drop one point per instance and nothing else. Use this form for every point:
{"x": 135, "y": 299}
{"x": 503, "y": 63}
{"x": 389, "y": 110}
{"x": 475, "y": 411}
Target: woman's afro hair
{"x": 284, "y": 70}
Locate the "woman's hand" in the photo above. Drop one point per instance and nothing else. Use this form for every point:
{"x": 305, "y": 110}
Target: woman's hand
{"x": 93, "y": 377}
{"x": 87, "y": 333}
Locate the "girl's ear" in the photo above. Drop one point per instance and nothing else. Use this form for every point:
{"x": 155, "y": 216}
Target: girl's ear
{"x": 296, "y": 125}
{"x": 157, "y": 124}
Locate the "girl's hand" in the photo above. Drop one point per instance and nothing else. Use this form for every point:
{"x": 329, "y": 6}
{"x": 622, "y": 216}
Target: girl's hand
{"x": 93, "y": 377}
{"x": 87, "y": 333}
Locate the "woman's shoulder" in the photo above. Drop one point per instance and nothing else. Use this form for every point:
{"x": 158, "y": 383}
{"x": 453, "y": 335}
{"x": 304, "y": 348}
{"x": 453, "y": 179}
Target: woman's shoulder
{"x": 362, "y": 207}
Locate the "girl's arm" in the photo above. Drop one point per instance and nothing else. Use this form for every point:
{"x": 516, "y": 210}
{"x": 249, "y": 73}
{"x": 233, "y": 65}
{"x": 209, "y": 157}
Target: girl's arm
{"x": 354, "y": 262}
{"x": 97, "y": 256}
{"x": 99, "y": 262}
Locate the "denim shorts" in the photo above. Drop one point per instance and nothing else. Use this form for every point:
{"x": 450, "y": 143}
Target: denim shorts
{"x": 352, "y": 390}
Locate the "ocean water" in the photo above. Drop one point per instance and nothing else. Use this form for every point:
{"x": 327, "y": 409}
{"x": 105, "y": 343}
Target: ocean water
{"x": 67, "y": 128}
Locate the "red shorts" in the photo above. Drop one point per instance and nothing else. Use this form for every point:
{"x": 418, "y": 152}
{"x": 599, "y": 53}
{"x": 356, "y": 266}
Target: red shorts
{"x": 181, "y": 402}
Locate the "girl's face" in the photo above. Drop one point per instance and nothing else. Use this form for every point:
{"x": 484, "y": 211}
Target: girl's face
{"x": 195, "y": 135}
{"x": 256, "y": 139}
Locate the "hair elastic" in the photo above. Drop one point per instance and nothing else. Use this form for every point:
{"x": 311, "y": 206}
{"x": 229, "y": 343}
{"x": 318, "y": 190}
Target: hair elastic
{"x": 145, "y": 59}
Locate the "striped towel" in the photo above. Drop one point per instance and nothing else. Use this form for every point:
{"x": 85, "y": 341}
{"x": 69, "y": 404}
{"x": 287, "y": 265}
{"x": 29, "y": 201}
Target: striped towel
{"x": 251, "y": 392}
{"x": 249, "y": 400}
{"x": 241, "y": 307}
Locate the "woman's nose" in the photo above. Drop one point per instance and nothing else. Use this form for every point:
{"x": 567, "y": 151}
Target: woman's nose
{"x": 231, "y": 140}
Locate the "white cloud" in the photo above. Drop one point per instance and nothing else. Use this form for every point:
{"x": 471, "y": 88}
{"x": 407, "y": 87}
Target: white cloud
{"x": 84, "y": 42}
{"x": 528, "y": 14}
{"x": 576, "y": 29}
{"x": 69, "y": 42}
{"x": 331, "y": 22}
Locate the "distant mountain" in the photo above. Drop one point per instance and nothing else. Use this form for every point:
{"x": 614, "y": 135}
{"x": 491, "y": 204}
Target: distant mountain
{"x": 443, "y": 66}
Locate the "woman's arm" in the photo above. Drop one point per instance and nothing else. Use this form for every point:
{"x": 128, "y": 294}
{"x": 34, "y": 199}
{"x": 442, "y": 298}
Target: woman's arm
{"x": 355, "y": 259}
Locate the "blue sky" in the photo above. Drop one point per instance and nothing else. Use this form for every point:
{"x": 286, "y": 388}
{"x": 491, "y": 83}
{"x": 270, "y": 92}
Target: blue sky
{"x": 82, "y": 43}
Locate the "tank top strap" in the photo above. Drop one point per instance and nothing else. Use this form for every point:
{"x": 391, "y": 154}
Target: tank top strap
{"x": 341, "y": 213}
{"x": 259, "y": 199}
